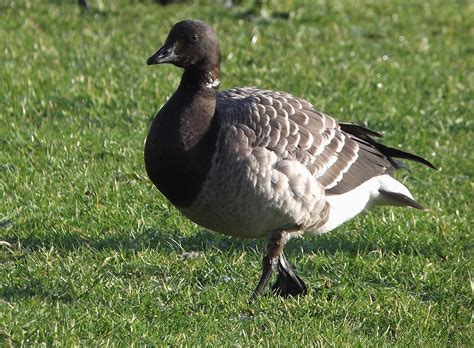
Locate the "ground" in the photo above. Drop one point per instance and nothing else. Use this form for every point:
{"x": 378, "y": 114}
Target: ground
{"x": 92, "y": 254}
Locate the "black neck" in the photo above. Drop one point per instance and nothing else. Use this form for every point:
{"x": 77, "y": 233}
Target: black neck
{"x": 197, "y": 81}
{"x": 182, "y": 138}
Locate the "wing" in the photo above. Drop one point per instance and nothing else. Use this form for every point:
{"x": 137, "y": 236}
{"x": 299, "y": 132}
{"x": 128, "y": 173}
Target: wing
{"x": 339, "y": 156}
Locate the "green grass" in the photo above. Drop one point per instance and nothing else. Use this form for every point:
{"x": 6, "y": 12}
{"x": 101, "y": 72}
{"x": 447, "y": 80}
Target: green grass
{"x": 92, "y": 254}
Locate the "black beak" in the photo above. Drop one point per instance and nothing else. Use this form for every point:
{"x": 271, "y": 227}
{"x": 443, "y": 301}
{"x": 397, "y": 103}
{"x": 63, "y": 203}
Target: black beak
{"x": 164, "y": 55}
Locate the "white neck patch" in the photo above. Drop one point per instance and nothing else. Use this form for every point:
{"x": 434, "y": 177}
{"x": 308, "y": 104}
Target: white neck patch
{"x": 212, "y": 83}
{"x": 211, "y": 80}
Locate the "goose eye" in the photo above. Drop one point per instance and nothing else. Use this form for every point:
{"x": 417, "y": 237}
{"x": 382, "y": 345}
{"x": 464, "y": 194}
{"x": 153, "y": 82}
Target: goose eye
{"x": 193, "y": 37}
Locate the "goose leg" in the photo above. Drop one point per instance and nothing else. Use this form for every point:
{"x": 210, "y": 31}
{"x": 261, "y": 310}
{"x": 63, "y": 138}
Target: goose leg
{"x": 267, "y": 270}
{"x": 275, "y": 246}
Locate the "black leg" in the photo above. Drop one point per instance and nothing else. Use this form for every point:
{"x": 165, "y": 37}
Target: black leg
{"x": 83, "y": 5}
{"x": 267, "y": 270}
{"x": 288, "y": 282}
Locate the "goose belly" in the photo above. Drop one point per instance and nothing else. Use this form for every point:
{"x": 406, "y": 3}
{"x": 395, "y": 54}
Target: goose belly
{"x": 251, "y": 196}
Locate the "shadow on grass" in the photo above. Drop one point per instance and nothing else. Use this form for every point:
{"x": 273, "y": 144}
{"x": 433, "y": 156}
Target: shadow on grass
{"x": 174, "y": 244}
{"x": 165, "y": 241}
{"x": 35, "y": 289}
{"x": 205, "y": 240}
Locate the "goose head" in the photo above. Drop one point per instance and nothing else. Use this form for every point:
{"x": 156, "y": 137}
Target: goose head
{"x": 191, "y": 45}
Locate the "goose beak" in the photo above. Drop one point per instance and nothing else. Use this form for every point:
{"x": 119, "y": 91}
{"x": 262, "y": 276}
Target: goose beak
{"x": 164, "y": 55}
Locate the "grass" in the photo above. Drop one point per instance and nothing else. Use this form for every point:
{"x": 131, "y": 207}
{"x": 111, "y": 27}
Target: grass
{"x": 91, "y": 253}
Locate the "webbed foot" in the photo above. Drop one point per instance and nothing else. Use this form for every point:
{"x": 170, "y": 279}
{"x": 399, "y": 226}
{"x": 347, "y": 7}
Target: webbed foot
{"x": 288, "y": 282}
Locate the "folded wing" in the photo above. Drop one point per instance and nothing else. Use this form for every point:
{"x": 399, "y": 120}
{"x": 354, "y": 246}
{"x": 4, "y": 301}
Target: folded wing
{"x": 340, "y": 156}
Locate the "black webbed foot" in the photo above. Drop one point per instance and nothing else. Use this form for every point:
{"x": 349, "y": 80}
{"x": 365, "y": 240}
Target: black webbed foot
{"x": 288, "y": 282}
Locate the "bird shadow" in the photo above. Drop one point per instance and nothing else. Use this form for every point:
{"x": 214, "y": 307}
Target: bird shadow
{"x": 173, "y": 243}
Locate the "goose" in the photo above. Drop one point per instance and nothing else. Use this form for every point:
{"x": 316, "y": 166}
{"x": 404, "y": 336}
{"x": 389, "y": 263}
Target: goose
{"x": 255, "y": 163}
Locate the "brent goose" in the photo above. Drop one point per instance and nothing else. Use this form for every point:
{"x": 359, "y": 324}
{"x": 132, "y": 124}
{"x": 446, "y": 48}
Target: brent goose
{"x": 255, "y": 163}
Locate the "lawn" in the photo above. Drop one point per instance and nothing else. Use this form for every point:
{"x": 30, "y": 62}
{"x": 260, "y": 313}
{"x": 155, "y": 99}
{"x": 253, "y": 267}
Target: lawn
{"x": 92, "y": 254}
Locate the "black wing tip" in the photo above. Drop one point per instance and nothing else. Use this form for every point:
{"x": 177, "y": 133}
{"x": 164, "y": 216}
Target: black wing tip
{"x": 396, "y": 153}
{"x": 359, "y": 131}
{"x": 366, "y": 133}
{"x": 429, "y": 164}
{"x": 390, "y": 151}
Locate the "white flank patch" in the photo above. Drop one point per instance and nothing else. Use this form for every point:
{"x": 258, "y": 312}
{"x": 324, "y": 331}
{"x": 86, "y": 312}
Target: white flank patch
{"x": 345, "y": 206}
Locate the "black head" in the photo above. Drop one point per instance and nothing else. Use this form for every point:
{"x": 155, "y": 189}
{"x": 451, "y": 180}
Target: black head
{"x": 191, "y": 44}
